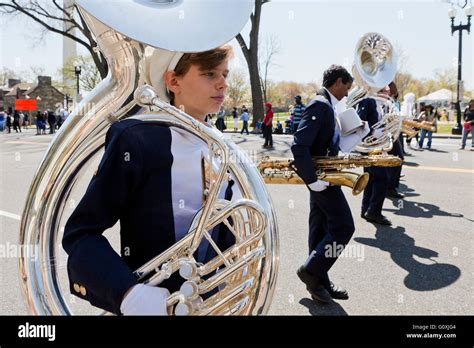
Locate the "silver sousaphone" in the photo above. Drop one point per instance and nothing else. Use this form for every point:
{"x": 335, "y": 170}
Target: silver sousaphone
{"x": 130, "y": 34}
{"x": 375, "y": 66}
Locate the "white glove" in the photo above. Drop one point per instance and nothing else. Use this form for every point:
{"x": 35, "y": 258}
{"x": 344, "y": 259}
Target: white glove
{"x": 378, "y": 132}
{"x": 145, "y": 300}
{"x": 319, "y": 185}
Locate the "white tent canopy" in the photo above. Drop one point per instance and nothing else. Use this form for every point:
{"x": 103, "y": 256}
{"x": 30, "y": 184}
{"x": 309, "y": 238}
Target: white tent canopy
{"x": 443, "y": 95}
{"x": 439, "y": 96}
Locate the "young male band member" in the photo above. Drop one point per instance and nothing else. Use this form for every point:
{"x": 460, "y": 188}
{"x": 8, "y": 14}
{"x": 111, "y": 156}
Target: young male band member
{"x": 150, "y": 178}
{"x": 376, "y": 189}
{"x": 330, "y": 220}
{"x": 394, "y": 173}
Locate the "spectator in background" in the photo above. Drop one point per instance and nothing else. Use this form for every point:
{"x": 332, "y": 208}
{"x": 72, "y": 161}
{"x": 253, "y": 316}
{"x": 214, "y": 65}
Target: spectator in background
{"x": 244, "y": 117}
{"x": 63, "y": 115}
{"x": 37, "y": 118}
{"x": 16, "y": 121}
{"x": 443, "y": 115}
{"x": 220, "y": 122}
{"x": 3, "y": 119}
{"x": 258, "y": 127}
{"x": 22, "y": 119}
{"x": 235, "y": 115}
{"x": 51, "y": 121}
{"x": 26, "y": 120}
{"x": 41, "y": 122}
{"x": 297, "y": 112}
{"x": 279, "y": 128}
{"x": 9, "y": 120}
{"x": 268, "y": 122}
{"x": 468, "y": 126}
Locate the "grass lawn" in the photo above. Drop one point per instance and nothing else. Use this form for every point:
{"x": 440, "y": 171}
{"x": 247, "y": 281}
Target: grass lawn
{"x": 445, "y": 128}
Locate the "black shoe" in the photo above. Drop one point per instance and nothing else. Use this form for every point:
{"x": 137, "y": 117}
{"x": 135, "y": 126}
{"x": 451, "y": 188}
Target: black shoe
{"x": 337, "y": 292}
{"x": 377, "y": 219}
{"x": 394, "y": 194}
{"x": 362, "y": 215}
{"x": 314, "y": 286}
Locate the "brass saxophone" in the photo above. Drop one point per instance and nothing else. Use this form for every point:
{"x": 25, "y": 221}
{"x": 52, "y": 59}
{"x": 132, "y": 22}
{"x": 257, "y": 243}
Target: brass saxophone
{"x": 283, "y": 170}
{"x": 420, "y": 125}
{"x": 409, "y": 131}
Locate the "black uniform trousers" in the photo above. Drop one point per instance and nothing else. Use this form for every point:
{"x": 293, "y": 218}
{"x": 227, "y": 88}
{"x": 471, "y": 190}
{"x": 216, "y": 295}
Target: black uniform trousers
{"x": 395, "y": 172}
{"x": 330, "y": 228}
{"x": 375, "y": 191}
{"x": 267, "y": 132}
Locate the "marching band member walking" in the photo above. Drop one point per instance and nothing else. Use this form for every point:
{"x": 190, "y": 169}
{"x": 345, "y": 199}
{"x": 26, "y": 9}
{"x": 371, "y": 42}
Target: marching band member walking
{"x": 330, "y": 220}
{"x": 376, "y": 189}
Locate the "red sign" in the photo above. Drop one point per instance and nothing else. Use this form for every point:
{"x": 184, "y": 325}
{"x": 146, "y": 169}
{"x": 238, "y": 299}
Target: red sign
{"x": 25, "y": 104}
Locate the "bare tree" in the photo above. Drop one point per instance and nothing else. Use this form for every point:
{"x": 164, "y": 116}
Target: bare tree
{"x": 238, "y": 88}
{"x": 6, "y": 74}
{"x": 250, "y": 52}
{"x": 266, "y": 61}
{"x": 402, "y": 78}
{"x": 88, "y": 79}
{"x": 52, "y": 17}
{"x": 447, "y": 78}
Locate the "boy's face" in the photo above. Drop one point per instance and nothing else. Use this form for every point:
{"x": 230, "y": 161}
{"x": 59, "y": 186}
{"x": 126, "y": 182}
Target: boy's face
{"x": 201, "y": 92}
{"x": 340, "y": 89}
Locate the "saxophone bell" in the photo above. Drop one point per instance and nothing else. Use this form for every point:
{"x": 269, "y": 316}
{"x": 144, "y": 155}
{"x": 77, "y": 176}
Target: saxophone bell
{"x": 356, "y": 182}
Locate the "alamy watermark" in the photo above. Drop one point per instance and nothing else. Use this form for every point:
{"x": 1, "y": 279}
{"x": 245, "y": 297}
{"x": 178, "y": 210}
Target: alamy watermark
{"x": 11, "y": 250}
{"x": 355, "y": 251}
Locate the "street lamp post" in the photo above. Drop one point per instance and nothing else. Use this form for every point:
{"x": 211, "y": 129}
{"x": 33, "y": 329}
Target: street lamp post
{"x": 77, "y": 70}
{"x": 67, "y": 99}
{"x": 452, "y": 14}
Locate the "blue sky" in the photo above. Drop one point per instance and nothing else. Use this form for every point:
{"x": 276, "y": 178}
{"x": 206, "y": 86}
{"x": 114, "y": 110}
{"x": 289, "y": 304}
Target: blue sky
{"x": 312, "y": 34}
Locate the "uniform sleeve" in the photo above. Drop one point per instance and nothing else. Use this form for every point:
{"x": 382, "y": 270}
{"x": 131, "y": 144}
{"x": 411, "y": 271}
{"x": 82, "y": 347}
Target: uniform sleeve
{"x": 308, "y": 130}
{"x": 96, "y": 272}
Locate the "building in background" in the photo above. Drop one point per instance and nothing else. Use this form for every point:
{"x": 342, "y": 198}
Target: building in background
{"x": 46, "y": 95}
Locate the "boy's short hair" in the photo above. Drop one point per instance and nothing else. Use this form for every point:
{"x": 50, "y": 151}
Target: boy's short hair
{"x": 334, "y": 72}
{"x": 206, "y": 60}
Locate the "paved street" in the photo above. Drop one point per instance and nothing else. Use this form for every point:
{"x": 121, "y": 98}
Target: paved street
{"x": 423, "y": 264}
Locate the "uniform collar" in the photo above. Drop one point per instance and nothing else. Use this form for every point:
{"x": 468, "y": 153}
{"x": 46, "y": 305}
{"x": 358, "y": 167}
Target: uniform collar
{"x": 333, "y": 100}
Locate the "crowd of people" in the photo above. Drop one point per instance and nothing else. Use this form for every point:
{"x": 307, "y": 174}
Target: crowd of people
{"x": 44, "y": 120}
{"x": 426, "y": 114}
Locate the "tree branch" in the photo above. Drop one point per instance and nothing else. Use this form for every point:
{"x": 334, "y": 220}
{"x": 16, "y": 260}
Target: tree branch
{"x": 46, "y": 25}
{"x": 63, "y": 10}
{"x": 244, "y": 47}
{"x": 35, "y": 8}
